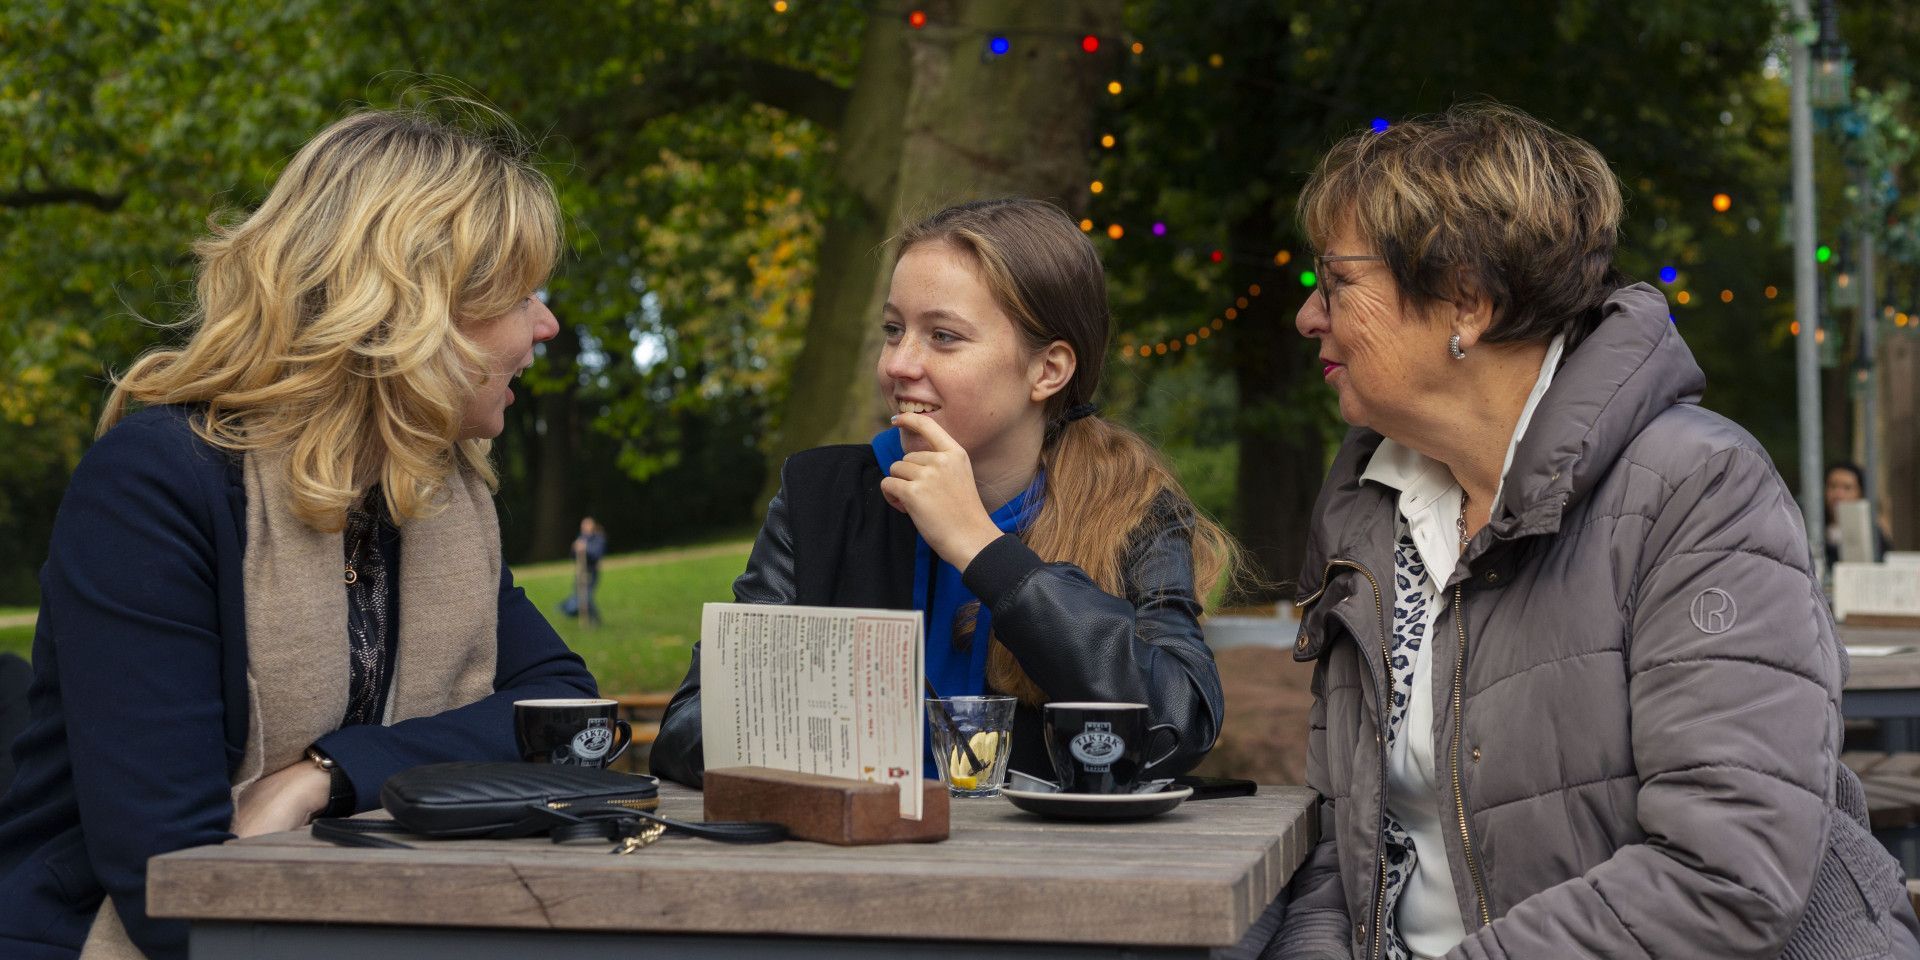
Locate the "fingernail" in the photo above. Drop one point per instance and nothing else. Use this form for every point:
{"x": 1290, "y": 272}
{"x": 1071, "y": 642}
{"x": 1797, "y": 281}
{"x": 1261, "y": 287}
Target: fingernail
{"x": 894, "y": 419}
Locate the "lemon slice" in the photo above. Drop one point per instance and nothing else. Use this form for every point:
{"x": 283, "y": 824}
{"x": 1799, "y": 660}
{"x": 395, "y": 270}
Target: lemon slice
{"x": 966, "y": 783}
{"x": 985, "y": 745}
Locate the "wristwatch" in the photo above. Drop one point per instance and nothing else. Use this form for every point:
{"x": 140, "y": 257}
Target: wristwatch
{"x": 339, "y": 785}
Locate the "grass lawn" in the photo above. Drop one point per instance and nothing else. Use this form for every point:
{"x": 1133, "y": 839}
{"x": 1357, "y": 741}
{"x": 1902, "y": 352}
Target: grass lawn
{"x": 649, "y": 610}
{"x": 18, "y": 640}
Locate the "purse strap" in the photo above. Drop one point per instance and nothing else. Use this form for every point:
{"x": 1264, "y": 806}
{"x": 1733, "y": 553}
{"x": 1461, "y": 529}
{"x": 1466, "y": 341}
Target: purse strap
{"x": 600, "y": 822}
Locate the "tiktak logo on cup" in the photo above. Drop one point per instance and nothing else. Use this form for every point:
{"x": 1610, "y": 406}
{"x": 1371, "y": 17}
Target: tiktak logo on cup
{"x": 592, "y": 743}
{"x": 1096, "y": 747}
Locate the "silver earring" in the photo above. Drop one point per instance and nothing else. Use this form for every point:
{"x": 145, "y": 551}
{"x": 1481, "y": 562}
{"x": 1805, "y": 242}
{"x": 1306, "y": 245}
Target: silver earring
{"x": 1453, "y": 348}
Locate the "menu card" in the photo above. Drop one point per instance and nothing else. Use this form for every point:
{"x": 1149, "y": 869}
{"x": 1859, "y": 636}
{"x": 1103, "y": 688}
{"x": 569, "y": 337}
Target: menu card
{"x": 1876, "y": 588}
{"x": 827, "y": 690}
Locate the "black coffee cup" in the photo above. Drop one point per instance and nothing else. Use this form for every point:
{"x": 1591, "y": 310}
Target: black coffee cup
{"x": 580, "y": 733}
{"x": 1098, "y": 747}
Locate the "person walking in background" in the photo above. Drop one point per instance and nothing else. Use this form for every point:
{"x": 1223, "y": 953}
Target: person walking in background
{"x": 588, "y": 548}
{"x": 1575, "y": 691}
{"x": 279, "y": 581}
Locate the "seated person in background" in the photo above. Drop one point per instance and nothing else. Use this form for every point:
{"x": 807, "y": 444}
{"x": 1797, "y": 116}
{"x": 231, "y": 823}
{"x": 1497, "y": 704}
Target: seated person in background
{"x": 1053, "y": 552}
{"x": 1846, "y": 482}
{"x": 280, "y": 582}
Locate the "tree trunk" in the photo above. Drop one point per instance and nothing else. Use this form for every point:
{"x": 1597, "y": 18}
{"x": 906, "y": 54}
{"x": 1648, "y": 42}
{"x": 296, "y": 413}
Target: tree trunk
{"x": 823, "y": 391}
{"x": 968, "y": 126}
{"x": 553, "y": 450}
{"x": 1282, "y": 458}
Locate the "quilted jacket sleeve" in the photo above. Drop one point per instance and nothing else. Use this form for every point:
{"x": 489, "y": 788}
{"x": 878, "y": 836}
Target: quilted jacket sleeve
{"x": 1733, "y": 683}
{"x": 1317, "y": 923}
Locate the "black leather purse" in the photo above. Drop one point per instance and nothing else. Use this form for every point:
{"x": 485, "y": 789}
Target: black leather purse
{"x": 501, "y": 801}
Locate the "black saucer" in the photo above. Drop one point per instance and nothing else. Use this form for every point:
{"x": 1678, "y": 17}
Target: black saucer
{"x": 1097, "y": 806}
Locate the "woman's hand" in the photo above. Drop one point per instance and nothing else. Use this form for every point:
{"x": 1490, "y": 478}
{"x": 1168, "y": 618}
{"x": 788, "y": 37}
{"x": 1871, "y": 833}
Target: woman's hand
{"x": 283, "y": 800}
{"x": 936, "y": 488}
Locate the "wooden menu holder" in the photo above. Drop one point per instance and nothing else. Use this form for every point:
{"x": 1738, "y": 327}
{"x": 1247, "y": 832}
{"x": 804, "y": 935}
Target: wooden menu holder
{"x": 825, "y": 809}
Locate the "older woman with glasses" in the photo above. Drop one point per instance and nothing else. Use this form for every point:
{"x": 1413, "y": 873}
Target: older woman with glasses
{"x": 1575, "y": 689}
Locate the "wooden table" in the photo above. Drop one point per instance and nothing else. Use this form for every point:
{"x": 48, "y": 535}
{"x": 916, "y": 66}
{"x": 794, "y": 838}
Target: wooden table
{"x": 1005, "y": 882}
{"x": 1885, "y": 688}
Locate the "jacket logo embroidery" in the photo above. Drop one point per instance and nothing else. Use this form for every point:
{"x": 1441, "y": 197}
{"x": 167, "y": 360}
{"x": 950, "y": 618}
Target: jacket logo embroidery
{"x": 1713, "y": 611}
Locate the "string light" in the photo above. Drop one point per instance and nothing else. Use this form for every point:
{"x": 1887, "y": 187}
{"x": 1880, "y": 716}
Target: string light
{"x": 1379, "y": 125}
{"x": 1192, "y": 338}
{"x": 1114, "y": 87}
{"x": 1159, "y": 228}
{"x": 1106, "y": 140}
{"x": 1090, "y": 43}
{"x": 1669, "y": 274}
{"x": 1307, "y": 279}
{"x": 1096, "y": 186}
{"x": 1794, "y": 328}
{"x": 779, "y": 6}
{"x": 1823, "y": 253}
{"x": 1726, "y": 296}
{"x": 1722, "y": 203}
{"x": 1684, "y": 297}
{"x": 1086, "y": 226}
{"x": 917, "y": 19}
{"x": 1216, "y": 61}
{"x": 999, "y": 46}
{"x": 1139, "y": 48}
{"x": 1283, "y": 258}
{"x": 1114, "y": 232}
{"x": 1772, "y": 291}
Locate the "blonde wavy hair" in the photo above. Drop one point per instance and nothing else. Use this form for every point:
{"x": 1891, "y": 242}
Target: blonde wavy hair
{"x": 329, "y": 323}
{"x": 1103, "y": 481}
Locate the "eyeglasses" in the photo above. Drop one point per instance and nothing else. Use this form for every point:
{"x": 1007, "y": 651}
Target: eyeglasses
{"x": 1321, "y": 283}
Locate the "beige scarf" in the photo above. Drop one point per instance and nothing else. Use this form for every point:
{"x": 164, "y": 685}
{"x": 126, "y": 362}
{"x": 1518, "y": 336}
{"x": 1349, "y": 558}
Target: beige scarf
{"x": 296, "y": 603}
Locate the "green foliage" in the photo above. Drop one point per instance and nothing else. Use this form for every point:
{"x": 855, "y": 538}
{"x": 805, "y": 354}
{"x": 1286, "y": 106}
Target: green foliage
{"x": 1673, "y": 94}
{"x": 126, "y": 124}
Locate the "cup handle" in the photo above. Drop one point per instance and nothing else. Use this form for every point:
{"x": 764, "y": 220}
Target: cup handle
{"x": 1163, "y": 758}
{"x": 620, "y": 746}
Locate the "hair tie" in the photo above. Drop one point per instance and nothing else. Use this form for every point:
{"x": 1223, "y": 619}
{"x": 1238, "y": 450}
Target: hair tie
{"x": 1080, "y": 410}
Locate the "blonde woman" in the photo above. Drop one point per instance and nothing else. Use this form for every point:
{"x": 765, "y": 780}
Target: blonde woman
{"x": 279, "y": 582}
{"x": 1053, "y": 551}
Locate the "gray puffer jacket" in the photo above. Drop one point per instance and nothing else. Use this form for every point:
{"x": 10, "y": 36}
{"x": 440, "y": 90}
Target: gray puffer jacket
{"x": 1636, "y": 685}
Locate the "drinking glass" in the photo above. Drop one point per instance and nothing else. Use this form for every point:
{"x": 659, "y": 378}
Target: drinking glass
{"x": 971, "y": 739}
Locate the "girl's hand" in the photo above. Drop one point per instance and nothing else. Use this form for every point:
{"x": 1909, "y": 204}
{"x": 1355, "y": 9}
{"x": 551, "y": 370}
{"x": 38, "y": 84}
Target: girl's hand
{"x": 936, "y": 488}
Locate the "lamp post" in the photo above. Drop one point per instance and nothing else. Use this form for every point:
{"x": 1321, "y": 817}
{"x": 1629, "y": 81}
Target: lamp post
{"x": 1806, "y": 312}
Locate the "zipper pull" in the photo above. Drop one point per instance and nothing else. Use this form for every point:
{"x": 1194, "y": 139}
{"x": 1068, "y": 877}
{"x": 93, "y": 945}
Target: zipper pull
{"x": 645, "y": 838}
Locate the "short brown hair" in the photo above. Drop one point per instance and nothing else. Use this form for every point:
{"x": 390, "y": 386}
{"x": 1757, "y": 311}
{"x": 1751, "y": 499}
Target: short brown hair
{"x": 1482, "y": 199}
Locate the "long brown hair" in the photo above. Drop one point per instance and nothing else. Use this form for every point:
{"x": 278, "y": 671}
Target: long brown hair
{"x": 1102, "y": 479}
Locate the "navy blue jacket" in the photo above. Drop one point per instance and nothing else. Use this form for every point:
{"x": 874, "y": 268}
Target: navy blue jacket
{"x": 139, "y": 699}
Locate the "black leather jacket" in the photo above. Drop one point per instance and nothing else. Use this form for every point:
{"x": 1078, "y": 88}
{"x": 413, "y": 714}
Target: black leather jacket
{"x": 1076, "y": 641}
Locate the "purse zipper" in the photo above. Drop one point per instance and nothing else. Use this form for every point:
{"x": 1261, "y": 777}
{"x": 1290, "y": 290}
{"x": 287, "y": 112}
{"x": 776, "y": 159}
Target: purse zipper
{"x": 652, "y": 803}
